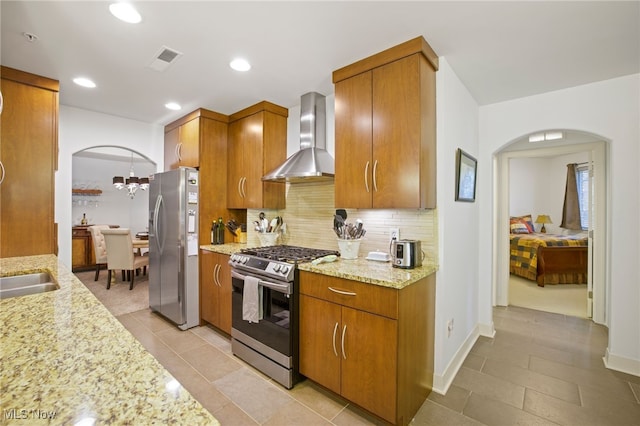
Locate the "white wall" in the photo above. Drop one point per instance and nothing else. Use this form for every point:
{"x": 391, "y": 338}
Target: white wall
{"x": 610, "y": 109}
{"x": 457, "y": 279}
{"x": 81, "y": 129}
{"x": 537, "y": 186}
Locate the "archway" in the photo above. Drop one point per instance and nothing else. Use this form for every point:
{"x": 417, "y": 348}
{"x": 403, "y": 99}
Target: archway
{"x": 595, "y": 148}
{"x": 97, "y": 200}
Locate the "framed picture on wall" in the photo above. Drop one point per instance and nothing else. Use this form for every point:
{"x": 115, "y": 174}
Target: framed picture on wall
{"x": 466, "y": 172}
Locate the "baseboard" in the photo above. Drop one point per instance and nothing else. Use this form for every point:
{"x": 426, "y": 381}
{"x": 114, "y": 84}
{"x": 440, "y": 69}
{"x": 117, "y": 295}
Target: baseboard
{"x": 619, "y": 363}
{"x": 487, "y": 330}
{"x": 441, "y": 383}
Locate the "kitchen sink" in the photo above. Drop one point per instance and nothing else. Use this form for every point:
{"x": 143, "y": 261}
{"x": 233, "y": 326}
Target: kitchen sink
{"x": 22, "y": 285}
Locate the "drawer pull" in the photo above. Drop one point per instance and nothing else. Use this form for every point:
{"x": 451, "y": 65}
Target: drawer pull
{"x": 346, "y": 293}
{"x": 344, "y": 332}
{"x": 335, "y": 330}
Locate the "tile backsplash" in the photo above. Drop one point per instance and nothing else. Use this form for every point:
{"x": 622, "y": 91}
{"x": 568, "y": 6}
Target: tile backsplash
{"x": 309, "y": 222}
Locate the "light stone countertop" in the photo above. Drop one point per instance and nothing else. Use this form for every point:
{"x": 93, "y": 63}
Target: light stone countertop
{"x": 65, "y": 357}
{"x": 228, "y": 248}
{"x": 360, "y": 269}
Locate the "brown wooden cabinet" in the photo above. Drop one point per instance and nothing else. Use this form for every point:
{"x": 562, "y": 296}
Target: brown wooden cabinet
{"x": 215, "y": 290}
{"x": 82, "y": 253}
{"x": 257, "y": 145}
{"x": 181, "y": 145}
{"x": 29, "y": 157}
{"x": 385, "y": 126}
{"x": 372, "y": 345}
{"x": 207, "y": 132}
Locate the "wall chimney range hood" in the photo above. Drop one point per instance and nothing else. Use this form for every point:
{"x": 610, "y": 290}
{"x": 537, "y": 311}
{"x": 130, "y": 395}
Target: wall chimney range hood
{"x": 312, "y": 162}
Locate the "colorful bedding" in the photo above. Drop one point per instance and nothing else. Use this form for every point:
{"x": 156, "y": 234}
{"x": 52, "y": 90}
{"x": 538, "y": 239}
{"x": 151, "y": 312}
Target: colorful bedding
{"x": 524, "y": 254}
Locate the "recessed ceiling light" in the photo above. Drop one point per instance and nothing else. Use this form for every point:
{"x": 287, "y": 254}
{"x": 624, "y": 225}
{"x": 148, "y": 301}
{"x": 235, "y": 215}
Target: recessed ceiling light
{"x": 125, "y": 12}
{"x": 84, "y": 82}
{"x": 240, "y": 64}
{"x": 173, "y": 106}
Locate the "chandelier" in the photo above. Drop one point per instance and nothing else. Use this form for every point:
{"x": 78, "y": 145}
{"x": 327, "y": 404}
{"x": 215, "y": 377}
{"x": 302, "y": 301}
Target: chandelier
{"x": 132, "y": 183}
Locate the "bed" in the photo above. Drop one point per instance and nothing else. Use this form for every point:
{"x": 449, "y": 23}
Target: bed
{"x": 549, "y": 258}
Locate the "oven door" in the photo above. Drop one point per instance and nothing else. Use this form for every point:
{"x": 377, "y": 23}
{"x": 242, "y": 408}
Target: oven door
{"x": 274, "y": 329}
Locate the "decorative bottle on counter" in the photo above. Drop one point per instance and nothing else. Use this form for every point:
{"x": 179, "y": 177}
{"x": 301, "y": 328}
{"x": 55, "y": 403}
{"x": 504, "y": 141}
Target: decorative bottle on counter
{"x": 84, "y": 219}
{"x": 220, "y": 234}
{"x": 213, "y": 232}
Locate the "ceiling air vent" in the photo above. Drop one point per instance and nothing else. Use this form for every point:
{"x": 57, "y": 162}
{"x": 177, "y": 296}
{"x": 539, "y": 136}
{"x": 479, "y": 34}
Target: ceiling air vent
{"x": 165, "y": 57}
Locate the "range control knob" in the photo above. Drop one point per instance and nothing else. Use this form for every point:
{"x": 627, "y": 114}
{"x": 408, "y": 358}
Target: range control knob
{"x": 276, "y": 268}
{"x": 284, "y": 270}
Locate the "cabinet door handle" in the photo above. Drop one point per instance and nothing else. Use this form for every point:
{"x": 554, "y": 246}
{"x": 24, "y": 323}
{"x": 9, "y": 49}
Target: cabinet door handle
{"x": 179, "y": 151}
{"x": 213, "y": 275}
{"x": 366, "y": 176}
{"x": 3, "y": 172}
{"x": 375, "y": 169}
{"x": 244, "y": 186}
{"x": 239, "y": 186}
{"x": 344, "y": 333}
{"x": 346, "y": 293}
{"x": 335, "y": 330}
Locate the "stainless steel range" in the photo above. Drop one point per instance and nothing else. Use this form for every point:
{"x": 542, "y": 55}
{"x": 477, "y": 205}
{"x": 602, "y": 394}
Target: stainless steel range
{"x": 264, "y": 323}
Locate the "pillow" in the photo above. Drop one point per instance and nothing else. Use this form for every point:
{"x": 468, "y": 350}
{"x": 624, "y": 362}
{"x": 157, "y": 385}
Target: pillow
{"x": 521, "y": 224}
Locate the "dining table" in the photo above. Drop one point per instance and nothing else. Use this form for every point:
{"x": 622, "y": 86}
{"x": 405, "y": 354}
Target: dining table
{"x": 140, "y": 244}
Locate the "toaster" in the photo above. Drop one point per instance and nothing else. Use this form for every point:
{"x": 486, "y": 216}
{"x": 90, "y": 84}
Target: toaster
{"x": 406, "y": 254}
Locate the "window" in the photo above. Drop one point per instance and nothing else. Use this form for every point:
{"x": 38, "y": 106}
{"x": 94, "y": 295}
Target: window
{"x": 582, "y": 179}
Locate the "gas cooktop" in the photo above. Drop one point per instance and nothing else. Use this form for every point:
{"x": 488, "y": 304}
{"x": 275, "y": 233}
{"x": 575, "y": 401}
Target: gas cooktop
{"x": 289, "y": 254}
{"x": 277, "y": 262}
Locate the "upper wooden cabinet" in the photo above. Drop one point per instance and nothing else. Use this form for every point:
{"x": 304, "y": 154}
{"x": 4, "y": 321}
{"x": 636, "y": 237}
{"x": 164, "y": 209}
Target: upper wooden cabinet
{"x": 257, "y": 145}
{"x": 204, "y": 132}
{"x": 385, "y": 125}
{"x": 29, "y": 158}
{"x": 181, "y": 146}
{"x": 183, "y": 138}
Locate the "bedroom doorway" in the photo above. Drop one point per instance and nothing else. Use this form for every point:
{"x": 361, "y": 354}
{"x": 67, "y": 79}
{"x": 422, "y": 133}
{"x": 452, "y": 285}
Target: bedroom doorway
{"x": 575, "y": 145}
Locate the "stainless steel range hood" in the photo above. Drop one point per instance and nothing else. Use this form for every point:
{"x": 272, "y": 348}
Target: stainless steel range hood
{"x": 312, "y": 162}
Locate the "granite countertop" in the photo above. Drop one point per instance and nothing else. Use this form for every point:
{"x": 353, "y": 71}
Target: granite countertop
{"x": 65, "y": 358}
{"x": 360, "y": 269}
{"x": 372, "y": 272}
{"x": 228, "y": 248}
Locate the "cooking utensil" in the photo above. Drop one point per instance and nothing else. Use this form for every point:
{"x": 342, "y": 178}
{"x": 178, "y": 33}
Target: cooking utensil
{"x": 278, "y": 224}
{"x": 272, "y": 225}
{"x": 264, "y": 223}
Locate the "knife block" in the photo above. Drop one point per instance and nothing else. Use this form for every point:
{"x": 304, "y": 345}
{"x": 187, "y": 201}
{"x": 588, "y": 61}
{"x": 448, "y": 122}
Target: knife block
{"x": 240, "y": 237}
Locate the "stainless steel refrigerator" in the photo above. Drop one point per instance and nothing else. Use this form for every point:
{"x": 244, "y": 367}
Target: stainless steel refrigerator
{"x": 173, "y": 246}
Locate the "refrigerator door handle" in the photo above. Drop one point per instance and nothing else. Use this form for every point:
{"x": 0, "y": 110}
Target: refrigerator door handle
{"x": 156, "y": 216}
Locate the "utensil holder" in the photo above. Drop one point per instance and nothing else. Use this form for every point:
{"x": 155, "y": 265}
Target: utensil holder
{"x": 349, "y": 248}
{"x": 267, "y": 238}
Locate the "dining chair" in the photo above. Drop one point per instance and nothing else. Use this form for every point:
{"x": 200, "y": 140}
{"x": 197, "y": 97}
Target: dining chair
{"x": 120, "y": 254}
{"x": 99, "y": 247}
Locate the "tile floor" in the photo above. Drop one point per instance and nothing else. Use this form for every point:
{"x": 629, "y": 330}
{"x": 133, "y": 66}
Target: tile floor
{"x": 541, "y": 368}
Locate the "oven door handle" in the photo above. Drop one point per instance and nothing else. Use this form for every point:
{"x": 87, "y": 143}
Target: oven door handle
{"x": 282, "y": 288}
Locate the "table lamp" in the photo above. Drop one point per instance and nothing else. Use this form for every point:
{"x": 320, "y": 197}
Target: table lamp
{"x": 543, "y": 218}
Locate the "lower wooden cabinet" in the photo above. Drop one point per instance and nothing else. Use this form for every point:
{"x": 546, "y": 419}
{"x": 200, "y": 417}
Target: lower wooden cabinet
{"x": 372, "y": 345}
{"x": 215, "y": 290}
{"x": 82, "y": 254}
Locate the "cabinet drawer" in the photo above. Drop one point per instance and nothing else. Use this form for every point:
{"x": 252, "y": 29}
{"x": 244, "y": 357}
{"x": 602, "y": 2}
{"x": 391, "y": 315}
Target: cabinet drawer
{"x": 367, "y": 297}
